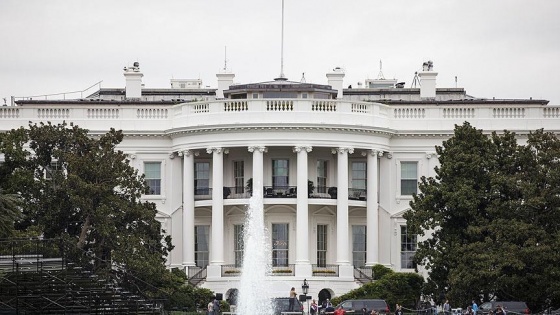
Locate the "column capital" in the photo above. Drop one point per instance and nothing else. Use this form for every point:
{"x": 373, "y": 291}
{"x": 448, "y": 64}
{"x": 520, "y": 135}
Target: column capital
{"x": 261, "y": 149}
{"x": 303, "y": 148}
{"x": 132, "y": 156}
{"x": 373, "y": 152}
{"x": 187, "y": 153}
{"x": 342, "y": 150}
{"x": 217, "y": 150}
{"x": 430, "y": 155}
{"x": 389, "y": 155}
{"x": 172, "y": 155}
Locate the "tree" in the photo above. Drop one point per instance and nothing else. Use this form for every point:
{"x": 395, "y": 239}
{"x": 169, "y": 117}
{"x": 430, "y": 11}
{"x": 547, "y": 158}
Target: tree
{"x": 491, "y": 218}
{"x": 83, "y": 189}
{"x": 9, "y": 213}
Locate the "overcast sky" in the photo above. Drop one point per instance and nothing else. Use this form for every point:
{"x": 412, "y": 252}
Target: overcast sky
{"x": 496, "y": 48}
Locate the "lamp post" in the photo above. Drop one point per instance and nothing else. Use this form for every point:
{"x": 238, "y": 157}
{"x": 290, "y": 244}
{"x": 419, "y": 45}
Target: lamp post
{"x": 305, "y": 289}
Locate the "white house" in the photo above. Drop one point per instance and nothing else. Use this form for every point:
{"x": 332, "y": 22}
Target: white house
{"x": 364, "y": 150}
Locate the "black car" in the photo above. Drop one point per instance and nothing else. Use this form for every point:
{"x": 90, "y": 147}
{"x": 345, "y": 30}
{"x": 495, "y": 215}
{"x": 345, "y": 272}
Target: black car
{"x": 282, "y": 305}
{"x": 509, "y": 306}
{"x": 365, "y": 306}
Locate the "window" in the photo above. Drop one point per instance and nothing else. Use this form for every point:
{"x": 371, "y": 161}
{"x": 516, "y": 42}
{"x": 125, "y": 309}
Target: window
{"x": 201, "y": 247}
{"x": 238, "y": 244}
{"x": 280, "y": 172}
{"x": 409, "y": 178}
{"x": 280, "y": 244}
{"x": 255, "y": 95}
{"x": 202, "y": 178}
{"x": 408, "y": 248}
{"x": 359, "y": 175}
{"x": 359, "y": 245}
{"x": 303, "y": 95}
{"x": 321, "y": 176}
{"x": 239, "y": 176}
{"x": 51, "y": 170}
{"x": 152, "y": 173}
{"x": 321, "y": 245}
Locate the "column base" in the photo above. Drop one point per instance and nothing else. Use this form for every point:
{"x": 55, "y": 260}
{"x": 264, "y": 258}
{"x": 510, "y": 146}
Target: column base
{"x": 214, "y": 271}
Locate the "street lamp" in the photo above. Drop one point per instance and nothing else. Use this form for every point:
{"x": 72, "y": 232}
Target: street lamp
{"x": 305, "y": 289}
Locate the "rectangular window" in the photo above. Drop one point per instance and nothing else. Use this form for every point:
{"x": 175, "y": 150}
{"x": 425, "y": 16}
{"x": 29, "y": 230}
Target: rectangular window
{"x": 152, "y": 173}
{"x": 201, "y": 245}
{"x": 280, "y": 171}
{"x": 321, "y": 176}
{"x": 303, "y": 95}
{"x": 280, "y": 244}
{"x": 321, "y": 245}
{"x": 359, "y": 175}
{"x": 238, "y": 244}
{"x": 408, "y": 248}
{"x": 359, "y": 236}
{"x": 255, "y": 95}
{"x": 51, "y": 170}
{"x": 409, "y": 178}
{"x": 202, "y": 178}
{"x": 238, "y": 176}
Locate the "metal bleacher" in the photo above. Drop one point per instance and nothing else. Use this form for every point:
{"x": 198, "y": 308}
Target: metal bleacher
{"x": 36, "y": 278}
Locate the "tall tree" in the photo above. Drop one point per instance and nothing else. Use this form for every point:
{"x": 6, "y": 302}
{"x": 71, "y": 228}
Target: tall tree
{"x": 490, "y": 218}
{"x": 9, "y": 213}
{"x": 82, "y": 188}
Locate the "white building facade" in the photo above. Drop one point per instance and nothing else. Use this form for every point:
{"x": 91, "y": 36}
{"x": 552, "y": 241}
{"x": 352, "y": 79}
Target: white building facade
{"x": 336, "y": 167}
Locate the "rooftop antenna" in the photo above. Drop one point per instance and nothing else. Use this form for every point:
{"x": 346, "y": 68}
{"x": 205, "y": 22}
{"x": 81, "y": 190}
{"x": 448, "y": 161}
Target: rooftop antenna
{"x": 302, "y": 78}
{"x": 416, "y": 80}
{"x": 380, "y": 76}
{"x": 225, "y": 58}
{"x": 455, "y": 81}
{"x": 282, "y": 77}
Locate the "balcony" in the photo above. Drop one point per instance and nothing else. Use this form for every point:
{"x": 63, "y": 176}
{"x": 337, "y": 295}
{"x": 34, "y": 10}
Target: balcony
{"x": 166, "y": 118}
{"x": 281, "y": 192}
{"x": 324, "y": 270}
{"x": 235, "y": 270}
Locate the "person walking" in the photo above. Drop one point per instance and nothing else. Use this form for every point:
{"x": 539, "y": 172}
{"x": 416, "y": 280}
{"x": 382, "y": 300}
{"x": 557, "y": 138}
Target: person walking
{"x": 313, "y": 308}
{"x": 216, "y": 306}
{"x": 446, "y": 308}
{"x": 398, "y": 310}
{"x": 474, "y": 307}
{"x": 293, "y": 297}
{"x": 210, "y": 308}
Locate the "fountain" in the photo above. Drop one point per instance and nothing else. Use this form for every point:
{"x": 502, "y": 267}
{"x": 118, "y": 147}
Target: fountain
{"x": 254, "y": 291}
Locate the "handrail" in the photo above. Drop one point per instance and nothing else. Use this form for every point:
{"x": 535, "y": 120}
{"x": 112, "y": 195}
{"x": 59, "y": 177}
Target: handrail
{"x": 13, "y": 98}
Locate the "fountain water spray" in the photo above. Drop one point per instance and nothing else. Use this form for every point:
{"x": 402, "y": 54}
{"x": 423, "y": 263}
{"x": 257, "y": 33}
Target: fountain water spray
{"x": 254, "y": 291}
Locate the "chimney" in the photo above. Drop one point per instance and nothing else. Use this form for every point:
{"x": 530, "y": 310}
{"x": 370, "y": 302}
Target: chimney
{"x": 225, "y": 80}
{"x": 427, "y": 81}
{"x": 133, "y": 78}
{"x": 335, "y": 79}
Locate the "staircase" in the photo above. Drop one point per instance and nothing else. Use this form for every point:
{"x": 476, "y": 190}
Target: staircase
{"x": 363, "y": 275}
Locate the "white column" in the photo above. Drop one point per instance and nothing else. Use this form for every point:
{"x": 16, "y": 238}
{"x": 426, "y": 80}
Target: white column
{"x": 188, "y": 206}
{"x": 342, "y": 244}
{"x": 372, "y": 221}
{"x": 302, "y": 217}
{"x": 217, "y": 247}
{"x": 258, "y": 166}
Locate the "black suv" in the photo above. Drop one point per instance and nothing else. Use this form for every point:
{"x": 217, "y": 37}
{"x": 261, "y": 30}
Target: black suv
{"x": 282, "y": 304}
{"x": 508, "y": 306}
{"x": 365, "y": 306}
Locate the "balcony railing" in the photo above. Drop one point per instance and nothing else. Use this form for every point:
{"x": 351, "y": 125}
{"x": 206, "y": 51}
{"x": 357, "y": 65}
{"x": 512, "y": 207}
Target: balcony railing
{"x": 280, "y": 192}
{"x": 324, "y": 270}
{"x": 356, "y": 194}
{"x": 236, "y": 193}
{"x": 235, "y": 270}
{"x": 203, "y": 193}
